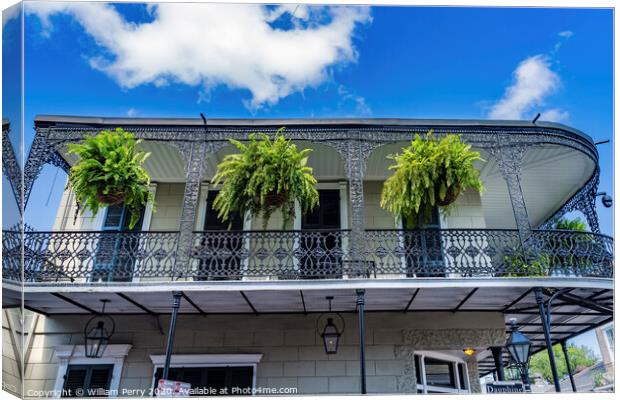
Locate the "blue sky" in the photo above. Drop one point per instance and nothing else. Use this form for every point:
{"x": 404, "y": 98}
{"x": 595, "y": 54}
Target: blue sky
{"x": 390, "y": 62}
{"x": 408, "y": 62}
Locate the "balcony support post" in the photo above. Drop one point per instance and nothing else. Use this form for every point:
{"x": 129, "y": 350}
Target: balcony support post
{"x": 195, "y": 154}
{"x": 355, "y": 151}
{"x": 176, "y": 303}
{"x": 497, "y": 358}
{"x": 361, "y": 325}
{"x": 568, "y": 366}
{"x": 509, "y": 156}
{"x": 546, "y": 324}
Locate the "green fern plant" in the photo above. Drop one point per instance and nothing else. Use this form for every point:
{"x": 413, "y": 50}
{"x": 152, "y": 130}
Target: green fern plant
{"x": 264, "y": 176}
{"x": 109, "y": 171}
{"x": 431, "y": 171}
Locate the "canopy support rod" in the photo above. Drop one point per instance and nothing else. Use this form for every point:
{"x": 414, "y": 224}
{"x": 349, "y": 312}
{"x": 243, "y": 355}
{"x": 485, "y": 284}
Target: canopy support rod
{"x": 361, "y": 323}
{"x": 547, "y": 330}
{"x": 497, "y": 358}
{"x": 176, "y": 303}
{"x": 568, "y": 367}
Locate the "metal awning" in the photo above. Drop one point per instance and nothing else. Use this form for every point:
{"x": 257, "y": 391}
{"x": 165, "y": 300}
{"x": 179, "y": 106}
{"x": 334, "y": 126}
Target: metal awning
{"x": 512, "y": 297}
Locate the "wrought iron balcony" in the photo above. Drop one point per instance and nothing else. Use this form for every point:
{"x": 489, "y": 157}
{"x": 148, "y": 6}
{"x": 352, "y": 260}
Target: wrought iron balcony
{"x": 317, "y": 254}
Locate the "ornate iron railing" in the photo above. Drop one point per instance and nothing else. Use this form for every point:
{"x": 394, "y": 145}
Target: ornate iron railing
{"x": 91, "y": 256}
{"x": 315, "y": 254}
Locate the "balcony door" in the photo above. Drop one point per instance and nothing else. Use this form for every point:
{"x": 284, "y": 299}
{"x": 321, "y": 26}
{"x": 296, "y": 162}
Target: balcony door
{"x": 424, "y": 249}
{"x": 320, "y": 238}
{"x": 219, "y": 245}
{"x": 117, "y": 248}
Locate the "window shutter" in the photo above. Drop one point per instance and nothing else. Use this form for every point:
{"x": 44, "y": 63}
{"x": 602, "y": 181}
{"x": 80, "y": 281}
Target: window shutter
{"x": 75, "y": 378}
{"x": 100, "y": 377}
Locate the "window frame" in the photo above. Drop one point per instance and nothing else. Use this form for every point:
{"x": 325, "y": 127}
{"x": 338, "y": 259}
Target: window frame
{"x": 114, "y": 354}
{"x": 455, "y": 361}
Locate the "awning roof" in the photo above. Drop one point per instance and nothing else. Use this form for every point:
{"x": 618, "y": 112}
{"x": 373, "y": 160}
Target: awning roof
{"x": 513, "y": 297}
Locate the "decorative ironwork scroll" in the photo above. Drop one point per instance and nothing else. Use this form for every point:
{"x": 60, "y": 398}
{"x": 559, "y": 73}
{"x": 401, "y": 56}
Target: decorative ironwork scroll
{"x": 10, "y": 166}
{"x": 584, "y": 200}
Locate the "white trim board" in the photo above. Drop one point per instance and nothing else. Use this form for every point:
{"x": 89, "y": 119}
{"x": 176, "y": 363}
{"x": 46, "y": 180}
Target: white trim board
{"x": 206, "y": 359}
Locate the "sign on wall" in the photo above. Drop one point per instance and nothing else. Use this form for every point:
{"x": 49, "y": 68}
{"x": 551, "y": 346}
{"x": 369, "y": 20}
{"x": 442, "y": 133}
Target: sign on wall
{"x": 168, "y": 388}
{"x": 505, "y": 387}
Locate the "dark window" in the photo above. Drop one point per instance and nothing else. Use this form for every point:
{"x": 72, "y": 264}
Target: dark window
{"x": 439, "y": 373}
{"x": 418, "y": 369}
{"x": 462, "y": 376}
{"x": 87, "y": 380}
{"x": 222, "y": 260}
{"x": 212, "y": 380}
{"x": 115, "y": 256}
{"x": 319, "y": 256}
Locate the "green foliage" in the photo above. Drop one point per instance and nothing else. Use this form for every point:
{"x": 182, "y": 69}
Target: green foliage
{"x": 262, "y": 168}
{"x": 581, "y": 357}
{"x": 430, "y": 171}
{"x": 518, "y": 266}
{"x": 576, "y": 224}
{"x": 110, "y": 163}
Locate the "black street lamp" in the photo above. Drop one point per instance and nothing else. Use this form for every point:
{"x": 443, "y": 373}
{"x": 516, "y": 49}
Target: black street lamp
{"x": 518, "y": 347}
{"x": 331, "y": 334}
{"x": 97, "y": 333}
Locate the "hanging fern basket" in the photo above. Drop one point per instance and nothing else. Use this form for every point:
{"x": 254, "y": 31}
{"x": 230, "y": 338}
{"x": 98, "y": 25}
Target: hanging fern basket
{"x": 276, "y": 199}
{"x": 451, "y": 195}
{"x": 111, "y": 199}
{"x": 429, "y": 172}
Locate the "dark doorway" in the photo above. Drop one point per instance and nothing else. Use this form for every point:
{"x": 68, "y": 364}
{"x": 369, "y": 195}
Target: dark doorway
{"x": 320, "y": 238}
{"x": 220, "y": 245}
{"x": 118, "y": 246}
{"x": 424, "y": 249}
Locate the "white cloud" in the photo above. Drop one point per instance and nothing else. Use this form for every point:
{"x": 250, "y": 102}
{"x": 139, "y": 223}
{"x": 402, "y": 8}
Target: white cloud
{"x": 533, "y": 82}
{"x": 10, "y": 13}
{"x": 207, "y": 45}
{"x": 554, "y": 115}
{"x": 132, "y": 112}
{"x": 566, "y": 34}
{"x": 359, "y": 102}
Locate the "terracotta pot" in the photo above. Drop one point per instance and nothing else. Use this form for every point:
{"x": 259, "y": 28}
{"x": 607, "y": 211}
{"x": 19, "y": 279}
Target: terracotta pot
{"x": 451, "y": 195}
{"x": 111, "y": 198}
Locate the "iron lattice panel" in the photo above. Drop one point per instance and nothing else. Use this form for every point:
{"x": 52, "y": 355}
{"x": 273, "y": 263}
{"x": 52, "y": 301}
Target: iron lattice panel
{"x": 320, "y": 254}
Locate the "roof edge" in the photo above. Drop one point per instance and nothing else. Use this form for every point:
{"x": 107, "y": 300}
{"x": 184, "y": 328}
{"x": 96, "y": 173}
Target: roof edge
{"x": 50, "y": 120}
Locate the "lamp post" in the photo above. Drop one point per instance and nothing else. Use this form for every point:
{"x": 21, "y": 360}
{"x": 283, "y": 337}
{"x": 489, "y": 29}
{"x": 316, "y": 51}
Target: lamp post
{"x": 97, "y": 333}
{"x": 518, "y": 347}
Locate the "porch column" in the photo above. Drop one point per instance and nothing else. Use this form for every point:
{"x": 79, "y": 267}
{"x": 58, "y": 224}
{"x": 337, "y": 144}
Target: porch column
{"x": 361, "y": 325}
{"x": 497, "y": 358}
{"x": 195, "y": 160}
{"x": 355, "y": 152}
{"x": 568, "y": 367}
{"x": 176, "y": 303}
{"x": 509, "y": 156}
{"x": 547, "y": 331}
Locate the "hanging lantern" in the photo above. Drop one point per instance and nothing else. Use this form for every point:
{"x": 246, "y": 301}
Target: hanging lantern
{"x": 97, "y": 333}
{"x": 330, "y": 337}
{"x": 331, "y": 334}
